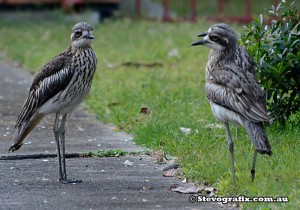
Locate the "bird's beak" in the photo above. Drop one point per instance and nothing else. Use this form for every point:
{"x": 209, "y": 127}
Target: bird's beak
{"x": 89, "y": 36}
{"x": 200, "y": 42}
{"x": 202, "y": 34}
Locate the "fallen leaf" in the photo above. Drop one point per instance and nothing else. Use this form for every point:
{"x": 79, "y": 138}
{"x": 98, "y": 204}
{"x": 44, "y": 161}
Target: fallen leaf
{"x": 136, "y": 65}
{"x": 80, "y": 128}
{"x": 145, "y": 110}
{"x": 146, "y": 189}
{"x": 113, "y": 104}
{"x": 117, "y": 129}
{"x": 173, "y": 186}
{"x": 187, "y": 189}
{"x": 173, "y": 160}
{"x": 170, "y": 166}
{"x": 158, "y": 156}
{"x": 186, "y": 131}
{"x": 128, "y": 163}
{"x": 114, "y": 198}
{"x": 170, "y": 157}
{"x": 174, "y": 53}
{"x": 210, "y": 191}
{"x": 213, "y": 125}
{"x": 170, "y": 173}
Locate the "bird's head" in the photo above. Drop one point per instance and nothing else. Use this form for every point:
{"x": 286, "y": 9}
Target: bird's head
{"x": 81, "y": 35}
{"x": 218, "y": 37}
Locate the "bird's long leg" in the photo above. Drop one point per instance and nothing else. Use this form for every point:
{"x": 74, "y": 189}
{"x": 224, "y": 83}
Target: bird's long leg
{"x": 64, "y": 178}
{"x": 231, "y": 150}
{"x": 62, "y": 140}
{"x": 253, "y": 166}
{"x": 56, "y": 135}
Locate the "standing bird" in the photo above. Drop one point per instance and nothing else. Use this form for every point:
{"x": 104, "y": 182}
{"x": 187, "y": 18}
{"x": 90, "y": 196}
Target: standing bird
{"x": 242, "y": 57}
{"x": 59, "y": 87}
{"x": 233, "y": 90}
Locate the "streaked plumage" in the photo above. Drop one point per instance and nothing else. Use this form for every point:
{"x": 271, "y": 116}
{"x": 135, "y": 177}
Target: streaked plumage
{"x": 233, "y": 90}
{"x": 59, "y": 87}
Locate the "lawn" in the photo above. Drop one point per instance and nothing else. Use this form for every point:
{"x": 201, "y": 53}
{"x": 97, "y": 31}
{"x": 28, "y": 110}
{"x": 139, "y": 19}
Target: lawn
{"x": 151, "y": 65}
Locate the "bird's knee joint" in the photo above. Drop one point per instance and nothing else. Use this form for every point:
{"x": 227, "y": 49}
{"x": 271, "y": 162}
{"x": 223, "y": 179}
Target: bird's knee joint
{"x": 231, "y": 147}
{"x": 252, "y": 174}
{"x": 55, "y": 131}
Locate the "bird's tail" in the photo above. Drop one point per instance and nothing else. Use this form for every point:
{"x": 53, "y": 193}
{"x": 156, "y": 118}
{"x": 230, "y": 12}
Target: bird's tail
{"x": 24, "y": 129}
{"x": 258, "y": 137}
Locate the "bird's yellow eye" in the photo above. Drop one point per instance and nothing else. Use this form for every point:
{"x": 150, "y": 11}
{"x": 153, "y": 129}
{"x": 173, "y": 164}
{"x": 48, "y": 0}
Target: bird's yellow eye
{"x": 78, "y": 34}
{"x": 214, "y": 38}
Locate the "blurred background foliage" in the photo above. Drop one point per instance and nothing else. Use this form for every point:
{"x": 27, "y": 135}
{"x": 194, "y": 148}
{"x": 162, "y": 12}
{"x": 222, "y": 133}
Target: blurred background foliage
{"x": 276, "y": 51}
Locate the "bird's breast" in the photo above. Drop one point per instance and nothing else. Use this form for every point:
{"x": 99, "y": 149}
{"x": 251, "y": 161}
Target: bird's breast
{"x": 83, "y": 67}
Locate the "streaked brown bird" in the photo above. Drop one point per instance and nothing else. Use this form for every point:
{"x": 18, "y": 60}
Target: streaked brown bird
{"x": 233, "y": 90}
{"x": 59, "y": 87}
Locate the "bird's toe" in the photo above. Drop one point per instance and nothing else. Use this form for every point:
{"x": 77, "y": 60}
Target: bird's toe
{"x": 69, "y": 181}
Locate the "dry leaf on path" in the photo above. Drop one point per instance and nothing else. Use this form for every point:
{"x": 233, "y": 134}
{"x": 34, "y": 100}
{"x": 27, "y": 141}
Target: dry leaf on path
{"x": 170, "y": 173}
{"x": 187, "y": 189}
{"x": 210, "y": 191}
{"x": 128, "y": 163}
{"x": 170, "y": 166}
{"x": 158, "y": 156}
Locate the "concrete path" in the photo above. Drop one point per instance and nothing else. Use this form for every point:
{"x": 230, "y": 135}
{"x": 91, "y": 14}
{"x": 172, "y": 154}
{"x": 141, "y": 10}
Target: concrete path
{"x": 107, "y": 182}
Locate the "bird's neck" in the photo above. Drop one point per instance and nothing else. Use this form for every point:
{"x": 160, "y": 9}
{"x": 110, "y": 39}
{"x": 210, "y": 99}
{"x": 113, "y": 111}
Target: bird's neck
{"x": 217, "y": 60}
{"x": 79, "y": 48}
{"x": 222, "y": 57}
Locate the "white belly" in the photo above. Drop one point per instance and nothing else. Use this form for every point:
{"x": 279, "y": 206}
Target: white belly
{"x": 67, "y": 100}
{"x": 64, "y": 107}
{"x": 225, "y": 115}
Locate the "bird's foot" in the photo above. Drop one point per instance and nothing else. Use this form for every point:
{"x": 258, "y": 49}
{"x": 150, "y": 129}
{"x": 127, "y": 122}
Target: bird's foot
{"x": 69, "y": 181}
{"x": 252, "y": 175}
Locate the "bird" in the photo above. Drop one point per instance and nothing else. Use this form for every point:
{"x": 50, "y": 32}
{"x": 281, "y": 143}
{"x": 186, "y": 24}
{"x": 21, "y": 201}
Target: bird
{"x": 233, "y": 91}
{"x": 58, "y": 88}
{"x": 242, "y": 57}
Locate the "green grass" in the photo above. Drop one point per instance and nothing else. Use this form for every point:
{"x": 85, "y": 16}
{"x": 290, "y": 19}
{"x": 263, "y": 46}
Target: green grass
{"x": 174, "y": 94}
{"x": 110, "y": 153}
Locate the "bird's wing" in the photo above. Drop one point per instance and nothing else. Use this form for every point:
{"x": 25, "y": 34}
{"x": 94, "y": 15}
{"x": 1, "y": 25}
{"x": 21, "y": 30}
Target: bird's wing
{"x": 244, "y": 60}
{"x": 52, "y": 79}
{"x": 239, "y": 91}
